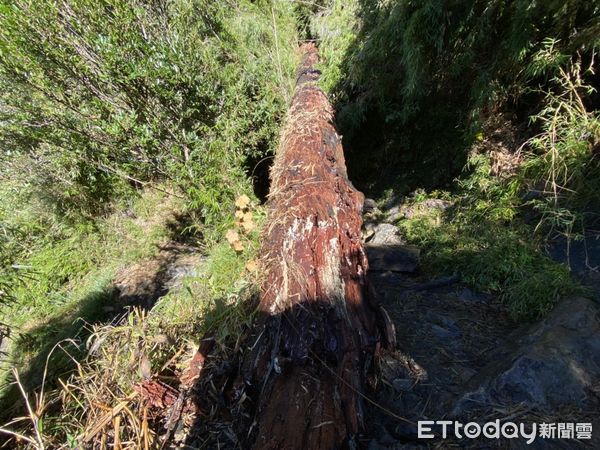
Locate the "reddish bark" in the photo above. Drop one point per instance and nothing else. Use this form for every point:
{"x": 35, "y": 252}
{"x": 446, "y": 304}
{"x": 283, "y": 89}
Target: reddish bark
{"x": 156, "y": 394}
{"x": 194, "y": 371}
{"x": 320, "y": 330}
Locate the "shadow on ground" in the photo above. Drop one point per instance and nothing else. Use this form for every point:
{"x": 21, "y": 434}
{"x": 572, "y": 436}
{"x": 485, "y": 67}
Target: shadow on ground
{"x": 60, "y": 342}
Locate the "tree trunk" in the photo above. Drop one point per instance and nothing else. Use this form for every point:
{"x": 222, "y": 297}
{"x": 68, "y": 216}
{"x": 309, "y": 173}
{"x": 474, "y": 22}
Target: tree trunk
{"x": 318, "y": 330}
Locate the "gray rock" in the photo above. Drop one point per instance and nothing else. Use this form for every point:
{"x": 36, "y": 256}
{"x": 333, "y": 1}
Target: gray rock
{"x": 425, "y": 206}
{"x": 436, "y": 203}
{"x": 556, "y": 365}
{"x": 394, "y": 258}
{"x": 393, "y": 209}
{"x": 539, "y": 381}
{"x": 368, "y": 230}
{"x": 394, "y": 214}
{"x": 385, "y": 234}
{"x": 369, "y": 205}
{"x": 176, "y": 275}
{"x": 581, "y": 255}
{"x": 181, "y": 268}
{"x": 394, "y": 200}
{"x": 532, "y": 194}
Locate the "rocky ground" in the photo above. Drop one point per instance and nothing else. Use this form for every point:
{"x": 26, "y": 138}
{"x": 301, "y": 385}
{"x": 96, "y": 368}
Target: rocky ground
{"x": 143, "y": 283}
{"x": 460, "y": 357}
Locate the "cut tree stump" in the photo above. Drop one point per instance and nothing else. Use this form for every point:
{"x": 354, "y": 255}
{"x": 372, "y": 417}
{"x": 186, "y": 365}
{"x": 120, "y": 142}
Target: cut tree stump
{"x": 318, "y": 327}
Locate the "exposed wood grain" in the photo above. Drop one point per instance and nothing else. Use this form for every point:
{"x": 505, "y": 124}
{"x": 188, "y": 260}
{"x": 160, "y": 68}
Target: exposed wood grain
{"x": 319, "y": 326}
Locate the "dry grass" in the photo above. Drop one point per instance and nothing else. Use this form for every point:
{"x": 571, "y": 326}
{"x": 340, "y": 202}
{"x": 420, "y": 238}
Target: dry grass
{"x": 127, "y": 392}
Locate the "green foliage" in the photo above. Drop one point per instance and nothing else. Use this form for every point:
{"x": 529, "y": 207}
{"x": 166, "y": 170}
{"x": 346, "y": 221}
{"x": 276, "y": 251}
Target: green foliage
{"x": 216, "y": 299}
{"x": 562, "y": 161}
{"x": 416, "y": 76}
{"x": 336, "y": 26}
{"x": 18, "y": 234}
{"x": 99, "y": 99}
{"x": 66, "y": 277}
{"x": 435, "y": 94}
{"x": 491, "y": 257}
{"x": 9, "y": 273}
{"x": 489, "y": 197}
{"x": 99, "y": 94}
{"x": 557, "y": 172}
{"x": 485, "y": 239}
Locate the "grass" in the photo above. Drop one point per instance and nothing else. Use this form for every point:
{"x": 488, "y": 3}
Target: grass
{"x": 67, "y": 284}
{"x": 64, "y": 321}
{"x": 512, "y": 199}
{"x": 65, "y": 333}
{"x": 216, "y": 299}
{"x": 491, "y": 255}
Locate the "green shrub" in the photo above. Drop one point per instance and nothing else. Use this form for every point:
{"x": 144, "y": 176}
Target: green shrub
{"x": 491, "y": 257}
{"x": 99, "y": 96}
{"x": 416, "y": 77}
{"x": 492, "y": 100}
{"x": 562, "y": 160}
{"x": 485, "y": 238}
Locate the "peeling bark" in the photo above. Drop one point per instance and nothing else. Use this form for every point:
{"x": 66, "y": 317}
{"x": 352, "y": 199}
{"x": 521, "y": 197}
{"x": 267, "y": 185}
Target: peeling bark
{"x": 318, "y": 329}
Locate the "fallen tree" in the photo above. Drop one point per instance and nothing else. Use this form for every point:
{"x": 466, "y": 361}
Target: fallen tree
{"x": 319, "y": 326}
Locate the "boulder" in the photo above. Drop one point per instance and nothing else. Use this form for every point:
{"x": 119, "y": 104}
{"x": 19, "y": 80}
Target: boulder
{"x": 385, "y": 234}
{"x": 556, "y": 364}
{"x": 424, "y": 207}
{"x": 369, "y": 205}
{"x": 394, "y": 214}
{"x": 394, "y": 258}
